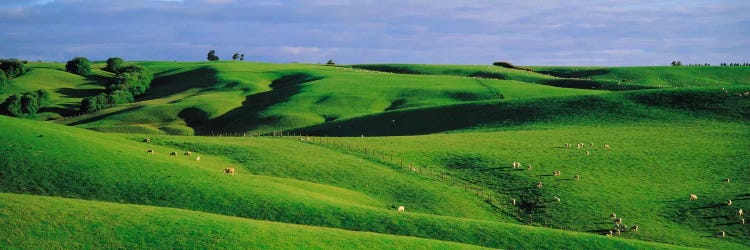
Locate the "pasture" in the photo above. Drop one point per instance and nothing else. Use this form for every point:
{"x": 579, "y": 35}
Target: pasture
{"x": 327, "y": 154}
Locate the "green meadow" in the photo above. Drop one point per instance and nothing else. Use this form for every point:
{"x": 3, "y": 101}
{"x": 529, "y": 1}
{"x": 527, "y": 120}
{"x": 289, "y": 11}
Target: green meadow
{"x": 324, "y": 156}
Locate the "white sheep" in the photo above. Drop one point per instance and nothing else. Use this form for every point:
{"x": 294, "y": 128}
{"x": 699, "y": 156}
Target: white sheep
{"x": 198, "y": 158}
{"x": 587, "y": 152}
{"x": 729, "y": 203}
{"x": 150, "y": 151}
{"x": 613, "y": 216}
{"x": 577, "y": 177}
{"x": 513, "y": 202}
{"x": 634, "y": 228}
{"x": 606, "y": 146}
{"x": 557, "y": 198}
{"x": 693, "y": 197}
{"x": 401, "y": 209}
{"x": 740, "y": 212}
{"x": 539, "y": 185}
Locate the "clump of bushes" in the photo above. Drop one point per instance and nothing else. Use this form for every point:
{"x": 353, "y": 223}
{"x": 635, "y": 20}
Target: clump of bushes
{"x": 114, "y": 64}
{"x": 20, "y": 105}
{"x": 12, "y": 68}
{"x": 78, "y": 66}
{"x": 130, "y": 81}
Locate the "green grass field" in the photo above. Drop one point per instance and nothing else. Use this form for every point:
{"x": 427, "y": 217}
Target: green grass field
{"x": 361, "y": 140}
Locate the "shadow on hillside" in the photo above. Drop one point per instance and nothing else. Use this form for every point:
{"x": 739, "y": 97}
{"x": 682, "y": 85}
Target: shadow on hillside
{"x": 161, "y": 87}
{"x": 248, "y": 116}
{"x": 100, "y": 117}
{"x": 574, "y": 73}
{"x": 77, "y": 93}
{"x": 593, "y": 85}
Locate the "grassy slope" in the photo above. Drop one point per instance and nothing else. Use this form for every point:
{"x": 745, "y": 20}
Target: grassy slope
{"x": 48, "y": 159}
{"x": 658, "y": 76}
{"x": 67, "y": 89}
{"x": 35, "y": 222}
{"x": 646, "y": 177}
{"x": 667, "y": 106}
{"x": 202, "y": 98}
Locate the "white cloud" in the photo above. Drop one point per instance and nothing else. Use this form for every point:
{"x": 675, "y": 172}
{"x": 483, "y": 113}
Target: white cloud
{"x": 299, "y": 50}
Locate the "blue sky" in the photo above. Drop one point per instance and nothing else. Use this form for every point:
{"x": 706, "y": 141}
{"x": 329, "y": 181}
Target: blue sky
{"x": 544, "y": 32}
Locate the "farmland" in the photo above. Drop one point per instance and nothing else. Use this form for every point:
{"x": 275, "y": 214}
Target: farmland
{"x": 325, "y": 154}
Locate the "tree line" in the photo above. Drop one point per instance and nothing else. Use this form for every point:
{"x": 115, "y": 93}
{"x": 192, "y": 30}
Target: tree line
{"x": 679, "y": 63}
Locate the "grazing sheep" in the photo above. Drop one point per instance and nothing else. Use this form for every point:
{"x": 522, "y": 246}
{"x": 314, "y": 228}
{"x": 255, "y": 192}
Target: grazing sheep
{"x": 173, "y": 153}
{"x": 150, "y": 151}
{"x": 188, "y": 153}
{"x": 198, "y": 158}
{"x": 577, "y": 177}
{"x": 740, "y": 212}
{"x": 610, "y": 233}
{"x": 580, "y": 145}
{"x": 513, "y": 202}
{"x": 618, "y": 221}
{"x": 147, "y": 140}
{"x": 587, "y": 152}
{"x": 693, "y": 197}
{"x": 567, "y": 145}
{"x": 634, "y": 228}
{"x": 617, "y": 231}
{"x": 613, "y": 216}
{"x": 721, "y": 234}
{"x": 401, "y": 209}
{"x": 539, "y": 185}
{"x": 742, "y": 221}
{"x": 726, "y": 180}
{"x": 557, "y": 198}
{"x": 606, "y": 146}
{"x": 529, "y": 168}
{"x": 591, "y": 144}
{"x": 229, "y": 171}
{"x": 729, "y": 203}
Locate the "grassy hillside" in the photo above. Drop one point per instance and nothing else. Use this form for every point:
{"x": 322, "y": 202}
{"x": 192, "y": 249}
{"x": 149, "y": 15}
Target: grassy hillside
{"x": 657, "y": 76}
{"x": 665, "y": 106}
{"x": 208, "y": 98}
{"x": 36, "y": 222}
{"x": 66, "y": 89}
{"x": 46, "y": 159}
{"x": 646, "y": 178}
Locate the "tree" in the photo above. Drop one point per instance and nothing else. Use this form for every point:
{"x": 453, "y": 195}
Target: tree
{"x": 242, "y": 57}
{"x": 29, "y": 104}
{"x": 235, "y": 56}
{"x": 114, "y": 64}
{"x": 12, "y": 68}
{"x": 330, "y": 62}
{"x": 3, "y": 80}
{"x": 78, "y": 66}
{"x": 212, "y": 56}
{"x": 12, "y": 105}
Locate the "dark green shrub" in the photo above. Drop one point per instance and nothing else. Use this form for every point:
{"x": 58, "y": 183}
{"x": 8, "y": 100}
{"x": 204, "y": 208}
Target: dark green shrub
{"x": 28, "y": 103}
{"x": 3, "y": 80}
{"x": 78, "y": 66}
{"x": 12, "y": 105}
{"x": 12, "y": 68}
{"x": 114, "y": 64}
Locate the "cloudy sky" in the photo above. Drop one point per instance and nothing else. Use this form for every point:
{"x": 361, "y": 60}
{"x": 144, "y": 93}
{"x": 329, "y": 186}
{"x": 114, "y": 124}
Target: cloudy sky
{"x": 543, "y": 32}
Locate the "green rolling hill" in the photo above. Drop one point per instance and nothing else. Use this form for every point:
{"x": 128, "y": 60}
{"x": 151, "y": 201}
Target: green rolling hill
{"x": 365, "y": 139}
